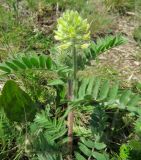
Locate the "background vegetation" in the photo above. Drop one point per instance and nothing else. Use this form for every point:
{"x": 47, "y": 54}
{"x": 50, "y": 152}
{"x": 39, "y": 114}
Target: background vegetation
{"x": 33, "y": 82}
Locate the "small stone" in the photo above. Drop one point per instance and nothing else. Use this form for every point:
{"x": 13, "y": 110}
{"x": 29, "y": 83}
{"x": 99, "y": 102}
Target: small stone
{"x": 137, "y": 63}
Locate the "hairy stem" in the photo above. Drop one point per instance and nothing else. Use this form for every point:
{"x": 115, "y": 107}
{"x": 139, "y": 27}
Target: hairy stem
{"x": 72, "y": 96}
{"x": 74, "y": 72}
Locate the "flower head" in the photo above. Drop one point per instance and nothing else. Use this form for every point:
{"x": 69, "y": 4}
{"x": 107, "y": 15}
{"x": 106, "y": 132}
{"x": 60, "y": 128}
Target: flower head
{"x": 72, "y": 29}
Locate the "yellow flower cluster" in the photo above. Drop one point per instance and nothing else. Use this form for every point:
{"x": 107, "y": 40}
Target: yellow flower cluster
{"x": 72, "y": 29}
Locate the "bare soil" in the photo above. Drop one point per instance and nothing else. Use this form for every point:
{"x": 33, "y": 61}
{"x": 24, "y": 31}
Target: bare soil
{"x": 125, "y": 59}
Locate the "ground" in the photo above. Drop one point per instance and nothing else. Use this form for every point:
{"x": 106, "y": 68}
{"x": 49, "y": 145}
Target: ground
{"x": 124, "y": 60}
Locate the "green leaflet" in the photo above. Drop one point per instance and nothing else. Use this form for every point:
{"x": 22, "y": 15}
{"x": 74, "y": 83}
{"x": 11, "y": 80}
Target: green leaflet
{"x": 90, "y": 86}
{"x": 88, "y": 143}
{"x": 100, "y": 156}
{"x": 19, "y": 64}
{"x": 88, "y": 149}
{"x": 99, "y": 146}
{"x": 85, "y": 149}
{"x": 35, "y": 62}
{"x": 78, "y": 156}
{"x": 42, "y": 61}
{"x": 125, "y": 97}
{"x": 11, "y": 65}
{"x": 56, "y": 82}
{"x": 5, "y": 69}
{"x": 133, "y": 102}
{"x": 17, "y": 104}
{"x": 82, "y": 89}
{"x": 113, "y": 93}
{"x": 53, "y": 128}
{"x": 94, "y": 89}
{"x": 104, "y": 90}
{"x": 91, "y": 144}
{"x": 26, "y": 62}
{"x": 51, "y": 133}
{"x": 49, "y": 63}
{"x": 102, "y": 45}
